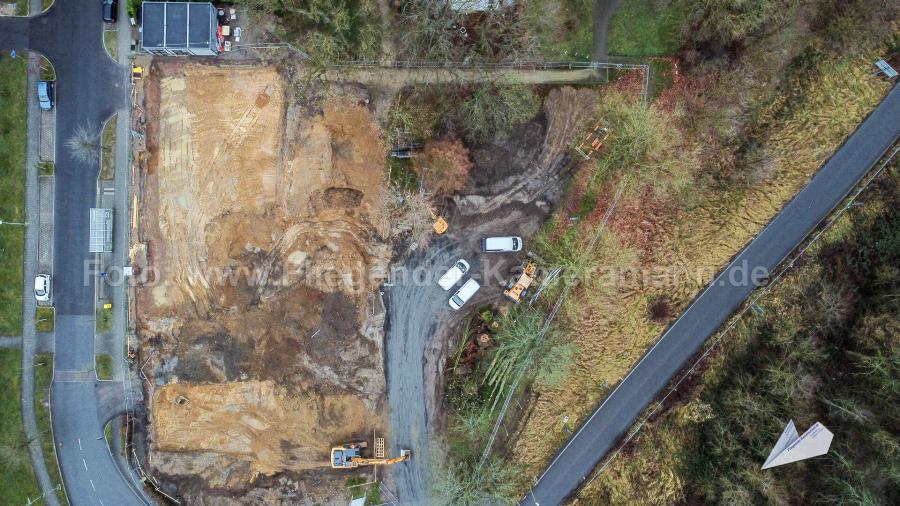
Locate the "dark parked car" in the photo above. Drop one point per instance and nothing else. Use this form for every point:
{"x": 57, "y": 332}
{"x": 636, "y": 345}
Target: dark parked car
{"x": 109, "y": 10}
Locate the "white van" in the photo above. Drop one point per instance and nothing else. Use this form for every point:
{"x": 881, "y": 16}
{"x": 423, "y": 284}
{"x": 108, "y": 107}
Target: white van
{"x": 501, "y": 244}
{"x": 452, "y": 276}
{"x": 464, "y": 293}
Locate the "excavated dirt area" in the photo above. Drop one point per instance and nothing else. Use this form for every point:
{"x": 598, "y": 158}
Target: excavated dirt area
{"x": 260, "y": 322}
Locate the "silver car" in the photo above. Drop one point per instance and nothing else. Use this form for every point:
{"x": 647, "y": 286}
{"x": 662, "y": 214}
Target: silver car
{"x": 42, "y": 287}
{"x": 45, "y": 95}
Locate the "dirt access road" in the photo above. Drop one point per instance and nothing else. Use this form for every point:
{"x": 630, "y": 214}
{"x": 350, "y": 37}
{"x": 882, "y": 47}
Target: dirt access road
{"x": 516, "y": 184}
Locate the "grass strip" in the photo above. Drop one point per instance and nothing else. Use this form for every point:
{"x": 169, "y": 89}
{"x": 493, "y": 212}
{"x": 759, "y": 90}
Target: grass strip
{"x": 104, "y": 367}
{"x": 16, "y": 474}
{"x": 12, "y": 191}
{"x": 43, "y": 376}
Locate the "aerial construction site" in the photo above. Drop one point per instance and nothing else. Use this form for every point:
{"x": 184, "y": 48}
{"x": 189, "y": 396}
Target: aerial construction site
{"x": 261, "y": 236}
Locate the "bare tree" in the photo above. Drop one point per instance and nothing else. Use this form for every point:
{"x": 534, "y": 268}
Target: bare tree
{"x": 84, "y": 144}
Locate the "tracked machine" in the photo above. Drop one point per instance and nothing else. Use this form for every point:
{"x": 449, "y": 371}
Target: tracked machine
{"x": 351, "y": 455}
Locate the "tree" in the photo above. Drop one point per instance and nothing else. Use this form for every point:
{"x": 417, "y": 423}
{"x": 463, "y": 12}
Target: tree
{"x": 84, "y": 145}
{"x": 444, "y": 165}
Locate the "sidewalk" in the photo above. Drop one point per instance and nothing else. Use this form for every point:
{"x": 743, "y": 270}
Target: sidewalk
{"x": 29, "y": 338}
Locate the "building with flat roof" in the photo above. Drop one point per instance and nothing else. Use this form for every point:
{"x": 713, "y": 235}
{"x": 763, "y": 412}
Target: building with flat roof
{"x": 179, "y": 28}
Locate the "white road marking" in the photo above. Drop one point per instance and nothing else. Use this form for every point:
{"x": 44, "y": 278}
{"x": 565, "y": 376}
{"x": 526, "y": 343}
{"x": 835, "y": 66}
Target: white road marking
{"x": 92, "y": 485}
{"x": 85, "y": 464}
{"x": 79, "y": 444}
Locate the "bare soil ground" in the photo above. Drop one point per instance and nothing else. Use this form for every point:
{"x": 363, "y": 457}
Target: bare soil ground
{"x": 261, "y": 322}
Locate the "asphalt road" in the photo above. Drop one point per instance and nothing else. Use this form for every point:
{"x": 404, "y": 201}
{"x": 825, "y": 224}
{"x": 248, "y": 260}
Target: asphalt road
{"x": 90, "y": 88}
{"x": 716, "y": 304}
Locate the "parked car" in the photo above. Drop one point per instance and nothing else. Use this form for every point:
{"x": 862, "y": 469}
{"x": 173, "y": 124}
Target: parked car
{"x": 109, "y": 10}
{"x": 42, "y": 287}
{"x": 501, "y": 244}
{"x": 45, "y": 95}
{"x": 464, "y": 293}
{"x": 452, "y": 276}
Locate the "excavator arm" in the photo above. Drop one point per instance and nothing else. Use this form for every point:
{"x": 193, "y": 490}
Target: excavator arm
{"x": 381, "y": 462}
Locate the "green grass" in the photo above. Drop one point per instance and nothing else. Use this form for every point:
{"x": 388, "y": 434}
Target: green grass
{"x": 46, "y": 168}
{"x": 44, "y": 318}
{"x": 43, "y": 376}
{"x": 111, "y": 43}
{"x": 22, "y": 8}
{"x": 104, "y": 367}
{"x": 45, "y": 4}
{"x": 12, "y": 190}
{"x": 402, "y": 174}
{"x": 104, "y": 319}
{"x": 357, "y": 488}
{"x": 108, "y": 150}
{"x": 16, "y": 474}
{"x": 564, "y": 29}
{"x": 642, "y": 28}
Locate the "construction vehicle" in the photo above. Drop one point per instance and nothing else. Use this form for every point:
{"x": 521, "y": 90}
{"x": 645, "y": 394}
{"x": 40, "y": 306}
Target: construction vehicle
{"x": 518, "y": 288}
{"x": 350, "y": 455}
{"x": 440, "y": 224}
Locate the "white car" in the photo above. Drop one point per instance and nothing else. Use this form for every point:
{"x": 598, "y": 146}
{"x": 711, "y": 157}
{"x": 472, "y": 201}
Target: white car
{"x": 452, "y": 276}
{"x": 464, "y": 293}
{"x": 42, "y": 287}
{"x": 501, "y": 244}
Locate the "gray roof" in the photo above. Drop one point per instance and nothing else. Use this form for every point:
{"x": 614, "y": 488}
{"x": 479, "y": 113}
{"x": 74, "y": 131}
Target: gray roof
{"x": 175, "y": 25}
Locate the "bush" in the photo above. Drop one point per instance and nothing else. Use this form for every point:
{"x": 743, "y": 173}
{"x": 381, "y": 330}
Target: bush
{"x": 493, "y": 110}
{"x": 134, "y": 6}
{"x": 444, "y": 165}
{"x": 645, "y": 145}
{"x": 329, "y": 30}
{"x": 725, "y": 22}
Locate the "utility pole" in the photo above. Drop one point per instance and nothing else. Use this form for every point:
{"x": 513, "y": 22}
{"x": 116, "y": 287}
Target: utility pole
{"x": 13, "y": 223}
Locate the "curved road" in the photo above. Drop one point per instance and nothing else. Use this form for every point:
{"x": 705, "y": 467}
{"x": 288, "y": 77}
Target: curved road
{"x": 717, "y": 303}
{"x": 90, "y": 88}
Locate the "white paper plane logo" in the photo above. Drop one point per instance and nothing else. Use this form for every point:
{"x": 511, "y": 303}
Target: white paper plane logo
{"x": 792, "y": 447}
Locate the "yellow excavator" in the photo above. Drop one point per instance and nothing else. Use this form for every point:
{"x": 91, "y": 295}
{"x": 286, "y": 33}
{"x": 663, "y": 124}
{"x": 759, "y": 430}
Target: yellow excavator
{"x": 518, "y": 288}
{"x": 440, "y": 224}
{"x": 349, "y": 455}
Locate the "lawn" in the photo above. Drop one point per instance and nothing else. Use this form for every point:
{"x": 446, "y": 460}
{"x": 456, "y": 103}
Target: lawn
{"x": 104, "y": 319}
{"x": 104, "y": 367}
{"x": 43, "y": 319}
{"x": 108, "y": 150}
{"x": 563, "y": 28}
{"x": 642, "y": 28}
{"x": 43, "y": 375}
{"x": 16, "y": 474}
{"x": 111, "y": 43}
{"x": 12, "y": 191}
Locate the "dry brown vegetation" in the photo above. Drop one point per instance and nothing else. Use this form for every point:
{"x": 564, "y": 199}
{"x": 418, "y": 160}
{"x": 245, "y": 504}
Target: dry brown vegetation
{"x": 444, "y": 166}
{"x": 822, "y": 347}
{"x": 664, "y": 241}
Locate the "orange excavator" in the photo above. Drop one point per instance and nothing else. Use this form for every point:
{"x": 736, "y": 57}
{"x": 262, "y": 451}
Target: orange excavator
{"x": 350, "y": 455}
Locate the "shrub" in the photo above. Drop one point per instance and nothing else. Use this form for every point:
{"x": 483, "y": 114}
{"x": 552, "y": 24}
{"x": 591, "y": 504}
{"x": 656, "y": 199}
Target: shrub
{"x": 444, "y": 165}
{"x": 492, "y": 111}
